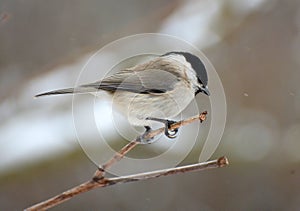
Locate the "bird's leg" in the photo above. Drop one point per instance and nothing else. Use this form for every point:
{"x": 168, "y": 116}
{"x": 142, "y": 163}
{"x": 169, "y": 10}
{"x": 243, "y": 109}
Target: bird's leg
{"x": 169, "y": 133}
{"x": 143, "y": 139}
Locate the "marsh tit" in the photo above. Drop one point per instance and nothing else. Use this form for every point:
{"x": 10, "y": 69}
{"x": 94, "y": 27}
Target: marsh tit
{"x": 156, "y": 90}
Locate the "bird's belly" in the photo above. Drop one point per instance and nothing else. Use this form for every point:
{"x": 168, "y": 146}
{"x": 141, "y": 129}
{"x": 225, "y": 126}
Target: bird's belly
{"x": 137, "y": 107}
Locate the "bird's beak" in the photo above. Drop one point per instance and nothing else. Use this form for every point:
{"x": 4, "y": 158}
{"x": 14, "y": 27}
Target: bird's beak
{"x": 205, "y": 90}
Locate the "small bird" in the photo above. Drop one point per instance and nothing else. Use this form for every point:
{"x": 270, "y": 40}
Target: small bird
{"x": 156, "y": 90}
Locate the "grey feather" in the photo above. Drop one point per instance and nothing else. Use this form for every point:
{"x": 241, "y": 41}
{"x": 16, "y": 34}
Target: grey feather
{"x": 154, "y": 77}
{"x": 149, "y": 78}
{"x": 144, "y": 82}
{"x": 67, "y": 91}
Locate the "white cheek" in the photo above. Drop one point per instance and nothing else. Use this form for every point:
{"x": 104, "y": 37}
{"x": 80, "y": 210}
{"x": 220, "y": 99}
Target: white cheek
{"x": 191, "y": 75}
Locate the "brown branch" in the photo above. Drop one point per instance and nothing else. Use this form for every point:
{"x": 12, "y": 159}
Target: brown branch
{"x": 99, "y": 180}
{"x": 92, "y": 184}
{"x": 99, "y": 174}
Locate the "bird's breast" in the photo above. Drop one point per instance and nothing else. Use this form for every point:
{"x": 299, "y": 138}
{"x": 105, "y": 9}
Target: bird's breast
{"x": 137, "y": 107}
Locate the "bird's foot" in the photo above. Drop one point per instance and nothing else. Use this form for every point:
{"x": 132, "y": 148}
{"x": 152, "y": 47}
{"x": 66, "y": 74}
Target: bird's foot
{"x": 143, "y": 138}
{"x": 168, "y": 132}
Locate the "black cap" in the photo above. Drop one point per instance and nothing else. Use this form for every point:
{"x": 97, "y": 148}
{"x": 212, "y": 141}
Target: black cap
{"x": 196, "y": 64}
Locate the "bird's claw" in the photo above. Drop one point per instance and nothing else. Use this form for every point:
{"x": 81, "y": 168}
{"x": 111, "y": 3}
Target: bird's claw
{"x": 143, "y": 138}
{"x": 170, "y": 133}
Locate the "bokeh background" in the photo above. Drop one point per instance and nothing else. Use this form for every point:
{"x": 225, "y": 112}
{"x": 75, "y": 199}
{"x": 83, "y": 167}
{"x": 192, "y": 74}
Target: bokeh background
{"x": 255, "y": 48}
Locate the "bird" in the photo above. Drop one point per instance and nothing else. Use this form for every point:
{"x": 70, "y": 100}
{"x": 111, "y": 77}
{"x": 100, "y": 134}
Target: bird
{"x": 156, "y": 90}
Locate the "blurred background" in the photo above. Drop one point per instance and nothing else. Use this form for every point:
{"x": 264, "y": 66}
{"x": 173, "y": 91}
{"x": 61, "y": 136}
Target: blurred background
{"x": 255, "y": 48}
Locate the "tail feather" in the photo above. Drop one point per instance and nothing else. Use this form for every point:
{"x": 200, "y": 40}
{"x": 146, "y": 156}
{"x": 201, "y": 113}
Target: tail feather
{"x": 67, "y": 91}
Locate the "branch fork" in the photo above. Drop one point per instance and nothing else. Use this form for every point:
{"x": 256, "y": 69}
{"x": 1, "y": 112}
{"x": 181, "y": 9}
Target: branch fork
{"x": 99, "y": 180}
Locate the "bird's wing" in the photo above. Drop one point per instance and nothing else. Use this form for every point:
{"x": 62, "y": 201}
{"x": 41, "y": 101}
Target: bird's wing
{"x": 154, "y": 77}
{"x": 152, "y": 81}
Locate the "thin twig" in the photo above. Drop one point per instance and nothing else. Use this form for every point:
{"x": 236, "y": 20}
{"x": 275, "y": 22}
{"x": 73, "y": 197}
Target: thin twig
{"x": 99, "y": 180}
{"x": 92, "y": 184}
{"x": 99, "y": 174}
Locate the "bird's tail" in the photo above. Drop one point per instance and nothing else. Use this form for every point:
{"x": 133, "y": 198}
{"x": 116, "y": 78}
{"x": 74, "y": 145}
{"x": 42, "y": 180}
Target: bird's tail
{"x": 68, "y": 91}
